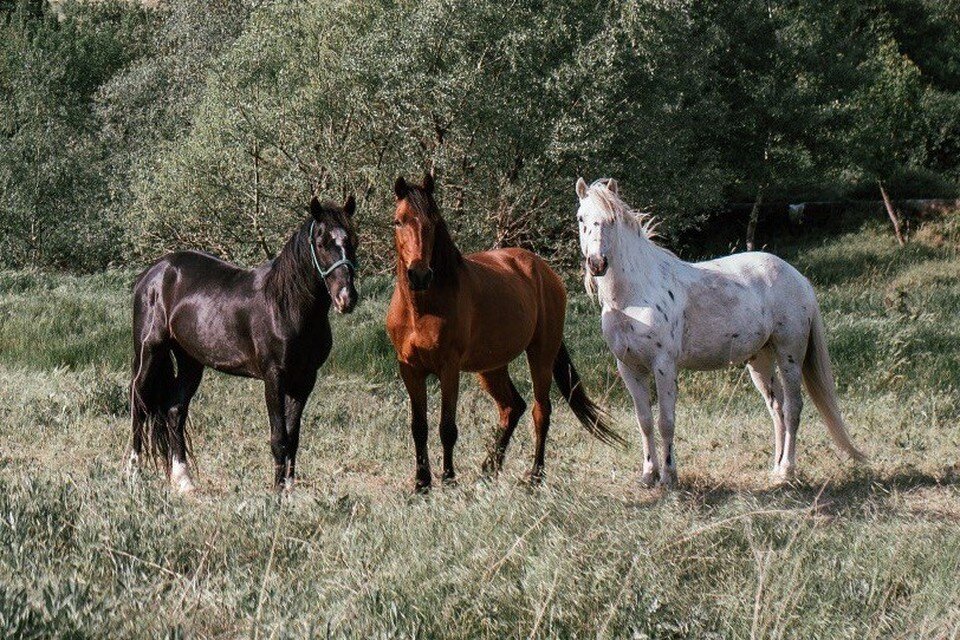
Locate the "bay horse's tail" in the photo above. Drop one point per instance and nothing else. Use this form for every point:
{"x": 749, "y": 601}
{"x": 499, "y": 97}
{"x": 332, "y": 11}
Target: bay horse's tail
{"x": 818, "y": 379}
{"x": 592, "y": 417}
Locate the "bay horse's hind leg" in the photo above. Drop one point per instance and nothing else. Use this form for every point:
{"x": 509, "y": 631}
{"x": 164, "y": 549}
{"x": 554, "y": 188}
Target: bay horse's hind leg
{"x": 511, "y": 406}
{"x": 189, "y": 374}
{"x": 763, "y": 373}
{"x": 541, "y": 375}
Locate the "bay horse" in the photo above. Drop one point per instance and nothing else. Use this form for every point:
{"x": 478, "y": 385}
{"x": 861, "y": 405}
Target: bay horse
{"x": 661, "y": 314}
{"x": 192, "y": 310}
{"x": 451, "y": 313}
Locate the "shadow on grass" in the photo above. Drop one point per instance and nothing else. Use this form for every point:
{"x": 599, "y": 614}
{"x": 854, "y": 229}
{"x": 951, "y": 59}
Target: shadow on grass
{"x": 843, "y": 496}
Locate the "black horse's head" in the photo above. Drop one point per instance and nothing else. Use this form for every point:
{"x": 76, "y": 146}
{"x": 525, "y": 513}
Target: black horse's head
{"x": 333, "y": 244}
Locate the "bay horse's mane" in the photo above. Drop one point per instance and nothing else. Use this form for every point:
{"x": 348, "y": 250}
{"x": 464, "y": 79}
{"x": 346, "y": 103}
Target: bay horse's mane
{"x": 446, "y": 259}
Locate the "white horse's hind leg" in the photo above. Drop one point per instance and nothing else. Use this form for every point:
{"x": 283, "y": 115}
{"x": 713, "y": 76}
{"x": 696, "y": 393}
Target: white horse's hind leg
{"x": 638, "y": 384}
{"x": 790, "y": 380}
{"x": 763, "y": 374}
{"x": 665, "y": 375}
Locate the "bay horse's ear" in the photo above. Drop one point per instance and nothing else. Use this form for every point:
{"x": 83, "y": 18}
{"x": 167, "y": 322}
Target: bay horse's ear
{"x": 400, "y": 188}
{"x": 350, "y": 206}
{"x": 428, "y": 183}
{"x": 316, "y": 209}
{"x": 612, "y": 186}
{"x": 581, "y": 188}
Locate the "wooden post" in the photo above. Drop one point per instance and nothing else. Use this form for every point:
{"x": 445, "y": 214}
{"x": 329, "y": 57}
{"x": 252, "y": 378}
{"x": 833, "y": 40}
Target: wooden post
{"x": 894, "y": 218}
{"x": 754, "y": 218}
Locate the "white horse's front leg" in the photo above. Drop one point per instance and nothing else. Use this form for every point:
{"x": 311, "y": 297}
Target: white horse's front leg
{"x": 638, "y": 384}
{"x": 665, "y": 372}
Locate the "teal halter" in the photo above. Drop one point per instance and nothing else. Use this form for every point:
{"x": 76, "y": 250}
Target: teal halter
{"x": 339, "y": 263}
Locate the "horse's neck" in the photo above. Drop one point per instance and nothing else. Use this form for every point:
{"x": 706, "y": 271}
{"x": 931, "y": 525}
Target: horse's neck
{"x": 297, "y": 288}
{"x": 639, "y": 270}
{"x": 434, "y": 301}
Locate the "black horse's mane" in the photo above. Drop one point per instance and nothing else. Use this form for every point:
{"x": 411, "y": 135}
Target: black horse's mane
{"x": 292, "y": 279}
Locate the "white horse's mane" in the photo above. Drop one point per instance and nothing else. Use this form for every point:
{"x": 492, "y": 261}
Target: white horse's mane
{"x": 614, "y": 207}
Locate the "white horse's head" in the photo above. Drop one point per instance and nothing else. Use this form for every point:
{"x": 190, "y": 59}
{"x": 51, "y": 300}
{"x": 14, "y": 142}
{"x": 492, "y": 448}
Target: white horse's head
{"x": 594, "y": 222}
{"x": 602, "y": 211}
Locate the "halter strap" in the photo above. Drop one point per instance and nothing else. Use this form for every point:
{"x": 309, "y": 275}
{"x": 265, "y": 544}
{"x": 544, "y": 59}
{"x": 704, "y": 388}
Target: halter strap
{"x": 339, "y": 263}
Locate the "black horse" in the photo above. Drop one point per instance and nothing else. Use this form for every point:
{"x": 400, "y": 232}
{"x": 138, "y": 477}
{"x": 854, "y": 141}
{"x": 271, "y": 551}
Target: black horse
{"x": 192, "y": 310}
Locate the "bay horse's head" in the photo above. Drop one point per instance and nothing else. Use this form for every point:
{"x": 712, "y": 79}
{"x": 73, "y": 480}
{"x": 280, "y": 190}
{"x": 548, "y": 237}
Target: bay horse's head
{"x": 333, "y": 245}
{"x": 417, "y": 224}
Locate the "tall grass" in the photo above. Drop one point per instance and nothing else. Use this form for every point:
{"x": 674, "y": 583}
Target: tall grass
{"x": 858, "y": 552}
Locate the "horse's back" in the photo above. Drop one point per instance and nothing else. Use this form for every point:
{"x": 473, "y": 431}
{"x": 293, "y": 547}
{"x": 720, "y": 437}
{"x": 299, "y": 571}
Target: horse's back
{"x": 515, "y": 299}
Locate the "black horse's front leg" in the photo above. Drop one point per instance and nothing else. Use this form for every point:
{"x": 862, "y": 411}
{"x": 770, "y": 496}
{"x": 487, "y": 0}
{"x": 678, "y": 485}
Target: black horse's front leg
{"x": 294, "y": 407}
{"x": 279, "y": 441}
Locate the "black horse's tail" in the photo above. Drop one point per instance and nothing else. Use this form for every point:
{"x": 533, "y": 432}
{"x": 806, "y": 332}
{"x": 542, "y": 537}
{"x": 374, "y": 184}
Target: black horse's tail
{"x": 592, "y": 417}
{"x": 153, "y": 377}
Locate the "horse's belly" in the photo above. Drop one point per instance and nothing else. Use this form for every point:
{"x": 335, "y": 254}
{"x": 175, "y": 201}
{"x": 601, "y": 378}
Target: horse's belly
{"x": 717, "y": 349}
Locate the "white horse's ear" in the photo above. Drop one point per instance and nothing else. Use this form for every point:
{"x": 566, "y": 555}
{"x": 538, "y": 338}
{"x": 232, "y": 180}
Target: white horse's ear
{"x": 612, "y": 186}
{"x": 581, "y": 188}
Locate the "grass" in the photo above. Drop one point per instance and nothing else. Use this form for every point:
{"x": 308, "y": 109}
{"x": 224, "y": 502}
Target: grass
{"x": 858, "y": 552}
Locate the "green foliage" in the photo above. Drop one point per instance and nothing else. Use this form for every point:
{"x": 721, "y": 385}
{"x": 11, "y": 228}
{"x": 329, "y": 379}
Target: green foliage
{"x": 207, "y": 124}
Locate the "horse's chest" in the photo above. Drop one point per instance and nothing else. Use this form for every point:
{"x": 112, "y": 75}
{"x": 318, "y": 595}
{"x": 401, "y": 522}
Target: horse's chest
{"x": 419, "y": 342}
{"x": 636, "y": 339}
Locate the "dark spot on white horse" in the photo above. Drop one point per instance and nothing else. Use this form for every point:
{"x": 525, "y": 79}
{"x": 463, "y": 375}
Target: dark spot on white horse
{"x": 734, "y": 335}
{"x": 648, "y": 457}
{"x": 790, "y": 359}
{"x": 670, "y": 293}
{"x": 659, "y": 345}
{"x": 660, "y": 371}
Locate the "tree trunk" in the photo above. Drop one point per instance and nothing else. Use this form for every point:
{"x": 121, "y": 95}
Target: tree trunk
{"x": 894, "y": 218}
{"x": 754, "y": 218}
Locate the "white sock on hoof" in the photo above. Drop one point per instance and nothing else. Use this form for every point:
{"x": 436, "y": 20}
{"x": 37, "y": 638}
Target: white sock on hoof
{"x": 180, "y": 477}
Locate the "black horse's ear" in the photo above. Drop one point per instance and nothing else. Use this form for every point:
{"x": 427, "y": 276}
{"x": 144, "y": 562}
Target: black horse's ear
{"x": 428, "y": 183}
{"x": 316, "y": 209}
{"x": 400, "y": 188}
{"x": 350, "y": 206}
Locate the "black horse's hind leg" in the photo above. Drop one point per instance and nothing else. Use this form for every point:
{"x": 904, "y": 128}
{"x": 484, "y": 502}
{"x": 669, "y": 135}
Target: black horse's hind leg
{"x": 189, "y": 374}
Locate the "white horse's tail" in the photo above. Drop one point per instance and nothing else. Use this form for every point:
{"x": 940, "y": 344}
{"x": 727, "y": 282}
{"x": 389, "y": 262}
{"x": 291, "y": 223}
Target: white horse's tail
{"x": 818, "y": 379}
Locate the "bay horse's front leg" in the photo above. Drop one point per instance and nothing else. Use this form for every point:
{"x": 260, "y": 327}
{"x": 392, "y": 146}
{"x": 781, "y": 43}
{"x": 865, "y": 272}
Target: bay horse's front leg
{"x": 665, "y": 373}
{"x": 276, "y": 411}
{"x": 415, "y": 381}
{"x": 638, "y": 384}
{"x": 449, "y": 394}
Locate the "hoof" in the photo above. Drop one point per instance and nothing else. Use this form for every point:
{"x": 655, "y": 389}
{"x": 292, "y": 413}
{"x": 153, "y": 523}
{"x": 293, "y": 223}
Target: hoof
{"x": 449, "y": 480}
{"x": 535, "y": 477}
{"x": 287, "y": 486}
{"x": 491, "y": 467}
{"x": 649, "y": 479}
{"x": 668, "y": 478}
{"x": 783, "y": 475}
{"x": 131, "y": 470}
{"x": 180, "y": 478}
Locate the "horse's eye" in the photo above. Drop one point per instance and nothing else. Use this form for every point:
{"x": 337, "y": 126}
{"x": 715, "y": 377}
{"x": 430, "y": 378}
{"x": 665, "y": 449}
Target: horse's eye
{"x": 398, "y": 223}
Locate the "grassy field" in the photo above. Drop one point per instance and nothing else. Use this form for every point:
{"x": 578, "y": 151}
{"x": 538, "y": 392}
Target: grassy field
{"x": 845, "y": 552}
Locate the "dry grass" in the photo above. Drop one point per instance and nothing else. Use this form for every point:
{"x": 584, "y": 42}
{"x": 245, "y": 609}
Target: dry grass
{"x": 858, "y": 552}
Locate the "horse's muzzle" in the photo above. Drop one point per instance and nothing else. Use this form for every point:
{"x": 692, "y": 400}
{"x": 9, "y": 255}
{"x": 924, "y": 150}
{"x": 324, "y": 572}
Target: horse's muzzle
{"x": 597, "y": 265}
{"x": 345, "y": 300}
{"x": 419, "y": 280}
